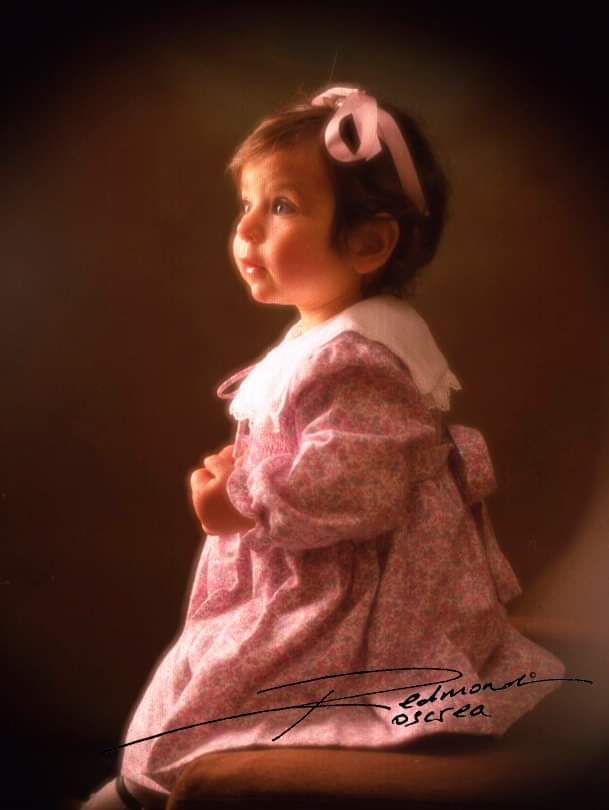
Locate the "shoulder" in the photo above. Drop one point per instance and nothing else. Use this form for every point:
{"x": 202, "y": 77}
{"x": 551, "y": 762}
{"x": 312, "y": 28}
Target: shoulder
{"x": 354, "y": 360}
{"x": 348, "y": 350}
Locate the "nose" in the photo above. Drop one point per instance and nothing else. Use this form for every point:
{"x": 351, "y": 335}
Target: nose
{"x": 250, "y": 228}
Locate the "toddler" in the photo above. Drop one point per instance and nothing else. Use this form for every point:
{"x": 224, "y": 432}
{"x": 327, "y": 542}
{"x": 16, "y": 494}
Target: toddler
{"x": 350, "y": 591}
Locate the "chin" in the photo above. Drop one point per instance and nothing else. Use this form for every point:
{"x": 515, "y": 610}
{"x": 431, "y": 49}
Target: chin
{"x": 261, "y": 297}
{"x": 264, "y": 295}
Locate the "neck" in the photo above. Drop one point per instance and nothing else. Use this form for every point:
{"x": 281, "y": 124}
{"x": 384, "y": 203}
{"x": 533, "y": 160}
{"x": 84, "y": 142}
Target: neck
{"x": 313, "y": 317}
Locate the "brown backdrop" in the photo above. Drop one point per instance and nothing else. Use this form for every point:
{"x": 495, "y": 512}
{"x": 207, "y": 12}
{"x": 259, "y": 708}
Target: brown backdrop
{"x": 121, "y": 315}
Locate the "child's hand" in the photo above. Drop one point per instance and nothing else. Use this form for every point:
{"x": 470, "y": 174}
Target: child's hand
{"x": 205, "y": 474}
{"x": 226, "y": 452}
{"x": 210, "y": 501}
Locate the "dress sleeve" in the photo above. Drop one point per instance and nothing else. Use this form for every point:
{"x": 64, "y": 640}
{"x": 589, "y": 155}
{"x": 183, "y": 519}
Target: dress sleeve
{"x": 365, "y": 437}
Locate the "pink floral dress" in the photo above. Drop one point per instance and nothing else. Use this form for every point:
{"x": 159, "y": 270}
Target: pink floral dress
{"x": 372, "y": 551}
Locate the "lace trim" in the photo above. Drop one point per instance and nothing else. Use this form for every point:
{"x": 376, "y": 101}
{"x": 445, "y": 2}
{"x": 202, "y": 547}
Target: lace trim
{"x": 440, "y": 396}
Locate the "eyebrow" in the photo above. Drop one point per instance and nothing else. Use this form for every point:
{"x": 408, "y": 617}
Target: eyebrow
{"x": 280, "y": 184}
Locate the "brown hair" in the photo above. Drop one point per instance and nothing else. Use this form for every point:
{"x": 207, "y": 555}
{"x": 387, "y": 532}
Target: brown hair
{"x": 364, "y": 189}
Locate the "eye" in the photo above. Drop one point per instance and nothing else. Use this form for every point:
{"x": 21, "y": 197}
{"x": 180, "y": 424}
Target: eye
{"x": 282, "y": 206}
{"x": 244, "y": 206}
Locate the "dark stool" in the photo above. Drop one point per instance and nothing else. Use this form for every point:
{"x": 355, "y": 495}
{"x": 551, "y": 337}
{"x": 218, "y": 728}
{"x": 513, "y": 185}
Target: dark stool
{"x": 540, "y": 759}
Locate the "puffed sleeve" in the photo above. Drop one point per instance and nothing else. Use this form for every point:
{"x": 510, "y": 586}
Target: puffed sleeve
{"x": 365, "y": 437}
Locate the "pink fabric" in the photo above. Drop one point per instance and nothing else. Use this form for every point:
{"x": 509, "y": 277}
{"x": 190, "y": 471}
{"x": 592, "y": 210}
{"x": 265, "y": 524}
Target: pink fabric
{"x": 371, "y": 123}
{"x": 372, "y": 550}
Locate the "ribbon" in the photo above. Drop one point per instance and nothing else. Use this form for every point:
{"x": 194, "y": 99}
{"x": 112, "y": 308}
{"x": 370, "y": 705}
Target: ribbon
{"x": 372, "y": 125}
{"x": 222, "y": 391}
{"x": 472, "y": 465}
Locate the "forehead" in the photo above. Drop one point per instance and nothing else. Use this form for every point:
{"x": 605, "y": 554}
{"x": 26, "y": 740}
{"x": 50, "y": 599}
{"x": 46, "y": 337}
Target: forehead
{"x": 299, "y": 166}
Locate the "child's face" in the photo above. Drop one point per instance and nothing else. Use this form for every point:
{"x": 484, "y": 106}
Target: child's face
{"x": 282, "y": 241}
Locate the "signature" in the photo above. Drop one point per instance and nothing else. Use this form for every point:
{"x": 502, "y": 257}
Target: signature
{"x": 400, "y": 719}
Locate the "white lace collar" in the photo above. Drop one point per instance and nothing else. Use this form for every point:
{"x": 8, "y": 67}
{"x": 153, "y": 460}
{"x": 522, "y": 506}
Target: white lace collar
{"x": 384, "y": 318}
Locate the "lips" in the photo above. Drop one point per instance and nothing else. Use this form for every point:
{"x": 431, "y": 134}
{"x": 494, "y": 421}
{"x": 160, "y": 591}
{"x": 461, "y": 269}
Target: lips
{"x": 251, "y": 268}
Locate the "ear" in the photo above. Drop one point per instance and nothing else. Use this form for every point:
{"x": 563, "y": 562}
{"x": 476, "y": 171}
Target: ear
{"x": 372, "y": 243}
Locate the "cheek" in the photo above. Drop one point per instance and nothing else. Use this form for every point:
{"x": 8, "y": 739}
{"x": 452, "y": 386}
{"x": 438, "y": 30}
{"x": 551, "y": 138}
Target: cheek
{"x": 301, "y": 253}
{"x": 287, "y": 256}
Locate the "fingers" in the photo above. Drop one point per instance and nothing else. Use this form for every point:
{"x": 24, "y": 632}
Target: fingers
{"x": 218, "y": 465}
{"x": 201, "y": 483}
{"x": 225, "y": 453}
{"x": 200, "y": 478}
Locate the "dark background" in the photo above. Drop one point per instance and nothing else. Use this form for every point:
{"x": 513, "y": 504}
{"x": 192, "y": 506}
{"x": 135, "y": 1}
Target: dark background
{"x": 121, "y": 314}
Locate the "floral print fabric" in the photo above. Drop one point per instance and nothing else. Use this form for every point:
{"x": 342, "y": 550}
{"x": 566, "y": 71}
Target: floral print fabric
{"x": 372, "y": 550}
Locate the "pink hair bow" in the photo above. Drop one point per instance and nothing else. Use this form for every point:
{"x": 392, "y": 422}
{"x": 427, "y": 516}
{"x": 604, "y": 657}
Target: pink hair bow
{"x": 372, "y": 125}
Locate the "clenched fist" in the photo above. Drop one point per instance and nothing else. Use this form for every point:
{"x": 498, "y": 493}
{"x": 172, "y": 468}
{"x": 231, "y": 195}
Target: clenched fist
{"x": 209, "y": 499}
